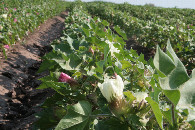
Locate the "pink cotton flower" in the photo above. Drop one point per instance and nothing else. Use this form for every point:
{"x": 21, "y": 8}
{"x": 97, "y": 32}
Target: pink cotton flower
{"x": 6, "y": 8}
{"x": 15, "y": 9}
{"x": 15, "y": 20}
{"x": 6, "y": 46}
{"x": 37, "y": 13}
{"x": 64, "y": 78}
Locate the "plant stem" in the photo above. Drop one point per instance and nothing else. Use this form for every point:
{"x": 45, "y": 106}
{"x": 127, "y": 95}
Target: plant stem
{"x": 173, "y": 116}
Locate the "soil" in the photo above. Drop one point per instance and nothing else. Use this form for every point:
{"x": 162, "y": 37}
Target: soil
{"x": 18, "y": 78}
{"x": 148, "y": 53}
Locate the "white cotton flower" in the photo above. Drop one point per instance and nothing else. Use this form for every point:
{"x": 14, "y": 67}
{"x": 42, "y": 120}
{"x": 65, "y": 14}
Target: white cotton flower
{"x": 112, "y": 48}
{"x": 144, "y": 120}
{"x": 4, "y": 16}
{"x": 140, "y": 96}
{"x": 112, "y": 88}
{"x": 171, "y": 28}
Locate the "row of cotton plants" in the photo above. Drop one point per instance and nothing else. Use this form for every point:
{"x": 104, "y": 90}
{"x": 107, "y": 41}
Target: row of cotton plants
{"x": 149, "y": 29}
{"x": 101, "y": 85}
{"x": 19, "y": 18}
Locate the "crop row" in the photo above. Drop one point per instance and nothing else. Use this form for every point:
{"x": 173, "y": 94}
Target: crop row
{"x": 101, "y": 85}
{"x": 19, "y": 18}
{"x": 150, "y": 28}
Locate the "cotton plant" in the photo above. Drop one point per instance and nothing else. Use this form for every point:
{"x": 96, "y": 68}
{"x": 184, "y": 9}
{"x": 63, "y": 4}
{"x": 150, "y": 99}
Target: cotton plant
{"x": 112, "y": 89}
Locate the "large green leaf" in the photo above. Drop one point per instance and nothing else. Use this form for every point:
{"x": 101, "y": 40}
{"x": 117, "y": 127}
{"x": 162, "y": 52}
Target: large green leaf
{"x": 77, "y": 117}
{"x": 163, "y": 62}
{"x": 168, "y": 116}
{"x": 64, "y": 48}
{"x": 172, "y": 95}
{"x": 73, "y": 63}
{"x": 50, "y": 117}
{"x": 187, "y": 98}
{"x": 177, "y": 85}
{"x": 175, "y": 76}
{"x": 156, "y": 110}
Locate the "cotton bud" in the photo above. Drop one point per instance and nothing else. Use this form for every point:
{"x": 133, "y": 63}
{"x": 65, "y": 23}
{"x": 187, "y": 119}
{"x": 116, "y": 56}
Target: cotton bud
{"x": 91, "y": 50}
{"x": 67, "y": 79}
{"x": 64, "y": 78}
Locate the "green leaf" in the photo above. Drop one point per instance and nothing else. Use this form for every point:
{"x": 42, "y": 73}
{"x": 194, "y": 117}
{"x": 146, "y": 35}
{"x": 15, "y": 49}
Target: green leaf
{"x": 125, "y": 64}
{"x": 163, "y": 62}
{"x": 168, "y": 116}
{"x": 106, "y": 52}
{"x": 56, "y": 56}
{"x": 122, "y": 33}
{"x": 100, "y": 66}
{"x": 174, "y": 70}
{"x": 105, "y": 23}
{"x": 86, "y": 31}
{"x": 193, "y": 74}
{"x": 77, "y": 117}
{"x": 51, "y": 101}
{"x": 120, "y": 40}
{"x": 73, "y": 63}
{"x": 61, "y": 88}
{"x": 187, "y": 98}
{"x": 173, "y": 96}
{"x": 155, "y": 93}
{"x": 48, "y": 116}
{"x": 156, "y": 110}
{"x": 100, "y": 33}
{"x": 46, "y": 65}
{"x": 64, "y": 48}
{"x": 110, "y": 124}
{"x": 130, "y": 96}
